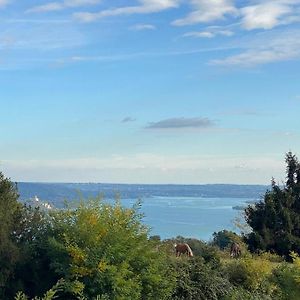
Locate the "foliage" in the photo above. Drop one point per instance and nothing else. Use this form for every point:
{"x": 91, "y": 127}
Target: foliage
{"x": 197, "y": 280}
{"x": 209, "y": 253}
{"x": 224, "y": 238}
{"x": 98, "y": 251}
{"x": 10, "y": 211}
{"x": 287, "y": 278}
{"x": 49, "y": 295}
{"x": 275, "y": 220}
{"x": 238, "y": 293}
{"x": 102, "y": 249}
{"x": 252, "y": 274}
{"x": 32, "y": 235}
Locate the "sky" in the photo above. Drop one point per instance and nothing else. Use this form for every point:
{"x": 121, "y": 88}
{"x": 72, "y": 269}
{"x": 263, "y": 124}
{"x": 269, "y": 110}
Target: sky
{"x": 149, "y": 91}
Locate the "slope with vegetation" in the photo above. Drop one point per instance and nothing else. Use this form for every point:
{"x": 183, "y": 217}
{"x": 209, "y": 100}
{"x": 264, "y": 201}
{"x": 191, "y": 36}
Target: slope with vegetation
{"x": 101, "y": 251}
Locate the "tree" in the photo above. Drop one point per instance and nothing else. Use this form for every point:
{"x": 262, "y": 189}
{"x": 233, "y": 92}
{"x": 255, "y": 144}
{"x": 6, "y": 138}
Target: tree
{"x": 224, "y": 238}
{"x": 10, "y": 213}
{"x": 275, "y": 220}
{"x": 32, "y": 237}
{"x": 103, "y": 250}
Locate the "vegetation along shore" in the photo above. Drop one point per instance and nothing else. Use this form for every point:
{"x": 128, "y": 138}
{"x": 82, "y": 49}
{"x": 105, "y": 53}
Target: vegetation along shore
{"x": 97, "y": 250}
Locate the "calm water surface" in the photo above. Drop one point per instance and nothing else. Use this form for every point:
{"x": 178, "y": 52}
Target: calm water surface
{"x": 189, "y": 216}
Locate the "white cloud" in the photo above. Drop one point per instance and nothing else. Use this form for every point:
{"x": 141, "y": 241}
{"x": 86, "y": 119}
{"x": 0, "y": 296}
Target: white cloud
{"x": 264, "y": 49}
{"x": 207, "y": 11}
{"x": 145, "y": 7}
{"x": 56, "y": 6}
{"x": 269, "y": 14}
{"x": 200, "y": 34}
{"x": 140, "y": 27}
{"x": 52, "y": 6}
{"x": 208, "y": 33}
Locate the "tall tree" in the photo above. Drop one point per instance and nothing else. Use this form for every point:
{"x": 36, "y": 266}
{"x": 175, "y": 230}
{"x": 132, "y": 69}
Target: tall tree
{"x": 10, "y": 212}
{"x": 275, "y": 220}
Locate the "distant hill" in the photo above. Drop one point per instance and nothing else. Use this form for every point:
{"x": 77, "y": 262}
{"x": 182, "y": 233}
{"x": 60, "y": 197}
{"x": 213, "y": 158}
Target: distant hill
{"x": 55, "y": 193}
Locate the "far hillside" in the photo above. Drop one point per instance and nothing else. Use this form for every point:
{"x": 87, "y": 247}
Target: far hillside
{"x": 58, "y": 192}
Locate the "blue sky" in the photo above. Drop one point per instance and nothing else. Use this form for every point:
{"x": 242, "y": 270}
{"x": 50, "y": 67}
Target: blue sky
{"x": 149, "y": 91}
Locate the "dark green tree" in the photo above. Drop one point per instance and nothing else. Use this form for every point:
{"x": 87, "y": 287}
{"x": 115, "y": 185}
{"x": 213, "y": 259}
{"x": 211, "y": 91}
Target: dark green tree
{"x": 275, "y": 220}
{"x": 10, "y": 213}
{"x": 32, "y": 236}
{"x": 23, "y": 234}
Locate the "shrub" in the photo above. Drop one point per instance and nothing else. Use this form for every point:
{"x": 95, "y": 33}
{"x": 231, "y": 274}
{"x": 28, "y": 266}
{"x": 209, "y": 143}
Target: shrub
{"x": 251, "y": 274}
{"x": 102, "y": 249}
{"x": 287, "y": 278}
{"x": 197, "y": 280}
{"x": 239, "y": 293}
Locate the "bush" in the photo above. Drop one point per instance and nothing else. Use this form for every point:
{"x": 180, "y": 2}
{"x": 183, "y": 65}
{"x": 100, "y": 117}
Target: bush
{"x": 102, "y": 249}
{"x": 287, "y": 278}
{"x": 252, "y": 274}
{"x": 197, "y": 280}
{"x": 239, "y": 293}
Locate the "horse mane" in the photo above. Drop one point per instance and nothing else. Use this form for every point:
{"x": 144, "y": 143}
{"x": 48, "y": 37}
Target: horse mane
{"x": 189, "y": 250}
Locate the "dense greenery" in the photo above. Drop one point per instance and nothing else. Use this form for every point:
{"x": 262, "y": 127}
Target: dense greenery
{"x": 275, "y": 221}
{"x": 10, "y": 211}
{"x": 94, "y": 250}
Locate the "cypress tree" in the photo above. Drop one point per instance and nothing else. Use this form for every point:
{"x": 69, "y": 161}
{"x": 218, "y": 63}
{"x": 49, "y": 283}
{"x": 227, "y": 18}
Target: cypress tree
{"x": 275, "y": 220}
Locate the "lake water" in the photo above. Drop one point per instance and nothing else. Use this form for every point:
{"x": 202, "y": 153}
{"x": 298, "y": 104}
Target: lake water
{"x": 189, "y": 216}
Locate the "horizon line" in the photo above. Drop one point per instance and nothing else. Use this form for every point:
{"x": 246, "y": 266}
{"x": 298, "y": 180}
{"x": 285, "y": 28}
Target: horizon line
{"x": 118, "y": 183}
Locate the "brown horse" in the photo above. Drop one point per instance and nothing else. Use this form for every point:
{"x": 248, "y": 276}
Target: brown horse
{"x": 235, "y": 250}
{"x": 183, "y": 249}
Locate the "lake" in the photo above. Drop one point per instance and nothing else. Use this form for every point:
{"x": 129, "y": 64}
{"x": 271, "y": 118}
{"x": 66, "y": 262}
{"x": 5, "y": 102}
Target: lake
{"x": 170, "y": 210}
{"x": 189, "y": 216}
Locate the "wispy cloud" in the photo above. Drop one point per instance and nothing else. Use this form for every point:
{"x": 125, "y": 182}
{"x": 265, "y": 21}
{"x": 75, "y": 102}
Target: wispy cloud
{"x": 39, "y": 36}
{"x": 208, "y": 33}
{"x": 269, "y": 14}
{"x": 140, "y": 27}
{"x": 37, "y": 21}
{"x": 145, "y": 7}
{"x": 243, "y": 112}
{"x": 207, "y": 11}
{"x": 56, "y": 6}
{"x": 265, "y": 49}
{"x": 181, "y": 123}
{"x": 137, "y": 55}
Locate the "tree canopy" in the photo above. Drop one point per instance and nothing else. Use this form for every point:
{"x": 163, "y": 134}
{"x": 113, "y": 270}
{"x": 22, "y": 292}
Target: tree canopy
{"x": 10, "y": 211}
{"x": 275, "y": 220}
